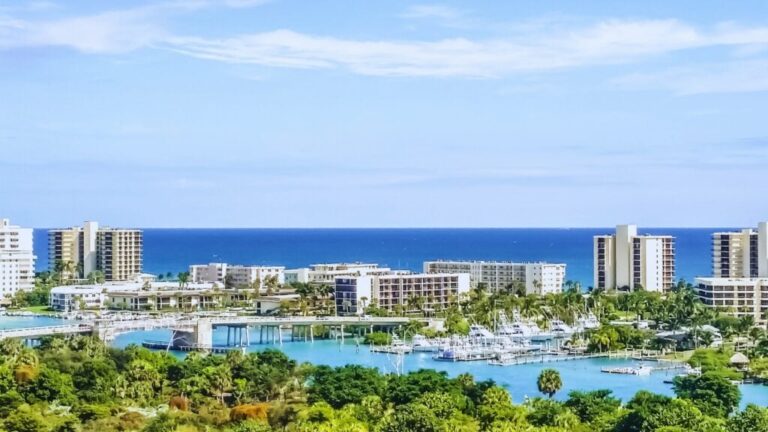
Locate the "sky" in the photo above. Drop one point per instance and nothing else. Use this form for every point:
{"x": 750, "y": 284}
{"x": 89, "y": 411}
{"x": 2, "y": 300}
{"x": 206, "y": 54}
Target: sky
{"x": 283, "y": 113}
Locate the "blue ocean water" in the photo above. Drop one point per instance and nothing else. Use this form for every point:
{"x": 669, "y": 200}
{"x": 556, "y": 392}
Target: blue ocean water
{"x": 173, "y": 250}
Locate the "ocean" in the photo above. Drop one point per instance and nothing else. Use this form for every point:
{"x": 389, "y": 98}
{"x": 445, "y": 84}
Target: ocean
{"x": 173, "y": 250}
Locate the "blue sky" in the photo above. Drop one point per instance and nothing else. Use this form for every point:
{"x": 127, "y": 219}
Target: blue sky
{"x": 248, "y": 113}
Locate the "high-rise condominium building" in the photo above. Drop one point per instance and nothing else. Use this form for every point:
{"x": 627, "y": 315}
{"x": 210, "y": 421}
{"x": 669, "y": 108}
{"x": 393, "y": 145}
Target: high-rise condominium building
{"x": 741, "y": 254}
{"x": 739, "y": 282}
{"x": 537, "y": 277}
{"x": 116, "y": 252}
{"x": 626, "y": 260}
{"x": 17, "y": 259}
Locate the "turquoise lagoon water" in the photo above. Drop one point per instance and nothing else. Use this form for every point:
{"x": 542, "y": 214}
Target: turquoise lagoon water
{"x": 16, "y": 322}
{"x": 519, "y": 380}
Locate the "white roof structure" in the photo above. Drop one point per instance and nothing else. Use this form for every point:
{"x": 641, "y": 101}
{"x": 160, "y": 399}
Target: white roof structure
{"x": 739, "y": 359}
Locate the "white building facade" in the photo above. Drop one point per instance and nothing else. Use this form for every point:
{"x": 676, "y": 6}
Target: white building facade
{"x": 739, "y": 282}
{"x": 626, "y": 260}
{"x": 538, "y": 277}
{"x": 17, "y": 259}
{"x": 739, "y": 296}
{"x": 327, "y": 273}
{"x": 423, "y": 292}
{"x": 239, "y": 275}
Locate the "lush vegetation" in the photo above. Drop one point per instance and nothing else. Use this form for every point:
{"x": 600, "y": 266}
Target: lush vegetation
{"x": 79, "y": 384}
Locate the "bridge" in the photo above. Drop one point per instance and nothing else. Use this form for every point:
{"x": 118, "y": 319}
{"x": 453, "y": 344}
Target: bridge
{"x": 38, "y": 332}
{"x": 194, "y": 331}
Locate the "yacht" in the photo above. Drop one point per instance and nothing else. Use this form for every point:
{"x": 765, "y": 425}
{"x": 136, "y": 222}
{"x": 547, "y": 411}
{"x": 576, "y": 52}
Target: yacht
{"x": 588, "y": 322}
{"x": 560, "y": 329}
{"x": 516, "y": 329}
{"x": 421, "y": 343}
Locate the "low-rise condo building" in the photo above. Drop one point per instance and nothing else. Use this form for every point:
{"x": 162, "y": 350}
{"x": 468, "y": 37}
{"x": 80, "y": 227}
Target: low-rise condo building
{"x": 537, "y": 277}
{"x": 17, "y": 259}
{"x": 738, "y": 296}
{"x": 143, "y": 295}
{"x": 626, "y": 260}
{"x": 237, "y": 275}
{"x": 79, "y": 251}
{"x": 327, "y": 273}
{"x": 409, "y": 292}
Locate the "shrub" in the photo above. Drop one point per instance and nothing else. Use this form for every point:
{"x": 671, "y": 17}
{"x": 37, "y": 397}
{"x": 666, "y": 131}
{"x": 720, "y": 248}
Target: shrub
{"x": 249, "y": 412}
{"x": 179, "y": 402}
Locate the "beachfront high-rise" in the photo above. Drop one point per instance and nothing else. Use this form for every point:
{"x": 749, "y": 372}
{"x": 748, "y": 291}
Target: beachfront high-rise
{"x": 626, "y": 260}
{"x": 741, "y": 254}
{"x": 116, "y": 252}
{"x": 739, "y": 282}
{"x": 17, "y": 259}
{"x": 537, "y": 277}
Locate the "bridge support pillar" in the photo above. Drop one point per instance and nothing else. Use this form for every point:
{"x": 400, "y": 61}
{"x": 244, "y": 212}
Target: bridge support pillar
{"x": 204, "y": 333}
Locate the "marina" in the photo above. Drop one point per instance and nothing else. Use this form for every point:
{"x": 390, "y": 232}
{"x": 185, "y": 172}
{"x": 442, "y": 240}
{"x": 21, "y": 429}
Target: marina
{"x": 579, "y": 372}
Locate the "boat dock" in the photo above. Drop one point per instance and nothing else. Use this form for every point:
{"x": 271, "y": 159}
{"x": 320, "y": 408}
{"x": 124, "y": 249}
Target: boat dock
{"x": 160, "y": 345}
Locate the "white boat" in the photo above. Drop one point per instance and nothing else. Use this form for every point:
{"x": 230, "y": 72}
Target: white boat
{"x": 588, "y": 322}
{"x": 560, "y": 329}
{"x": 396, "y": 347}
{"x": 421, "y": 343}
{"x": 479, "y": 334}
{"x": 643, "y": 370}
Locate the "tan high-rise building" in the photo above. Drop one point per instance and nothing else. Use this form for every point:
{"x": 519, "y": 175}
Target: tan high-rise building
{"x": 626, "y": 260}
{"x": 739, "y": 282}
{"x": 740, "y": 254}
{"x": 116, "y": 252}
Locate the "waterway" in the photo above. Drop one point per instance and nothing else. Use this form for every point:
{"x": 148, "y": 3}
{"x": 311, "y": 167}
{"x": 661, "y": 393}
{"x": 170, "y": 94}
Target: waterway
{"x": 519, "y": 380}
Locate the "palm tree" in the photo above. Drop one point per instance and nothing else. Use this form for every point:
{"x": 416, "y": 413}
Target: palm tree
{"x": 530, "y": 307}
{"x": 549, "y": 382}
{"x": 183, "y": 278}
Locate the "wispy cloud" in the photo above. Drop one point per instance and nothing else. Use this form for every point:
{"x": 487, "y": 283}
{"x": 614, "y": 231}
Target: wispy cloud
{"x": 604, "y": 42}
{"x": 731, "y": 77}
{"x": 608, "y": 42}
{"x": 110, "y": 32}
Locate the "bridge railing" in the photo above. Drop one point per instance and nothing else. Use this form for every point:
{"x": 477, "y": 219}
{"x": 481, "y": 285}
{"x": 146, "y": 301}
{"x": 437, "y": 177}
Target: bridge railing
{"x": 46, "y": 330}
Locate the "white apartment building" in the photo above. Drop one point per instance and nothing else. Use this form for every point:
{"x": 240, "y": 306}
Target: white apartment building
{"x": 741, "y": 254}
{"x": 241, "y": 276}
{"x": 138, "y": 295}
{"x": 17, "y": 259}
{"x": 628, "y": 260}
{"x": 435, "y": 291}
{"x": 327, "y": 273}
{"x": 538, "y": 277}
{"x": 740, "y": 296}
{"x": 739, "y": 281}
{"x": 116, "y": 252}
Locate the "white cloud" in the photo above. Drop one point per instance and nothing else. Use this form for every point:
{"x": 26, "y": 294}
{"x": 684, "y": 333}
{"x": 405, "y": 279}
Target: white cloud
{"x": 109, "y": 32}
{"x": 732, "y": 77}
{"x": 604, "y": 43}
